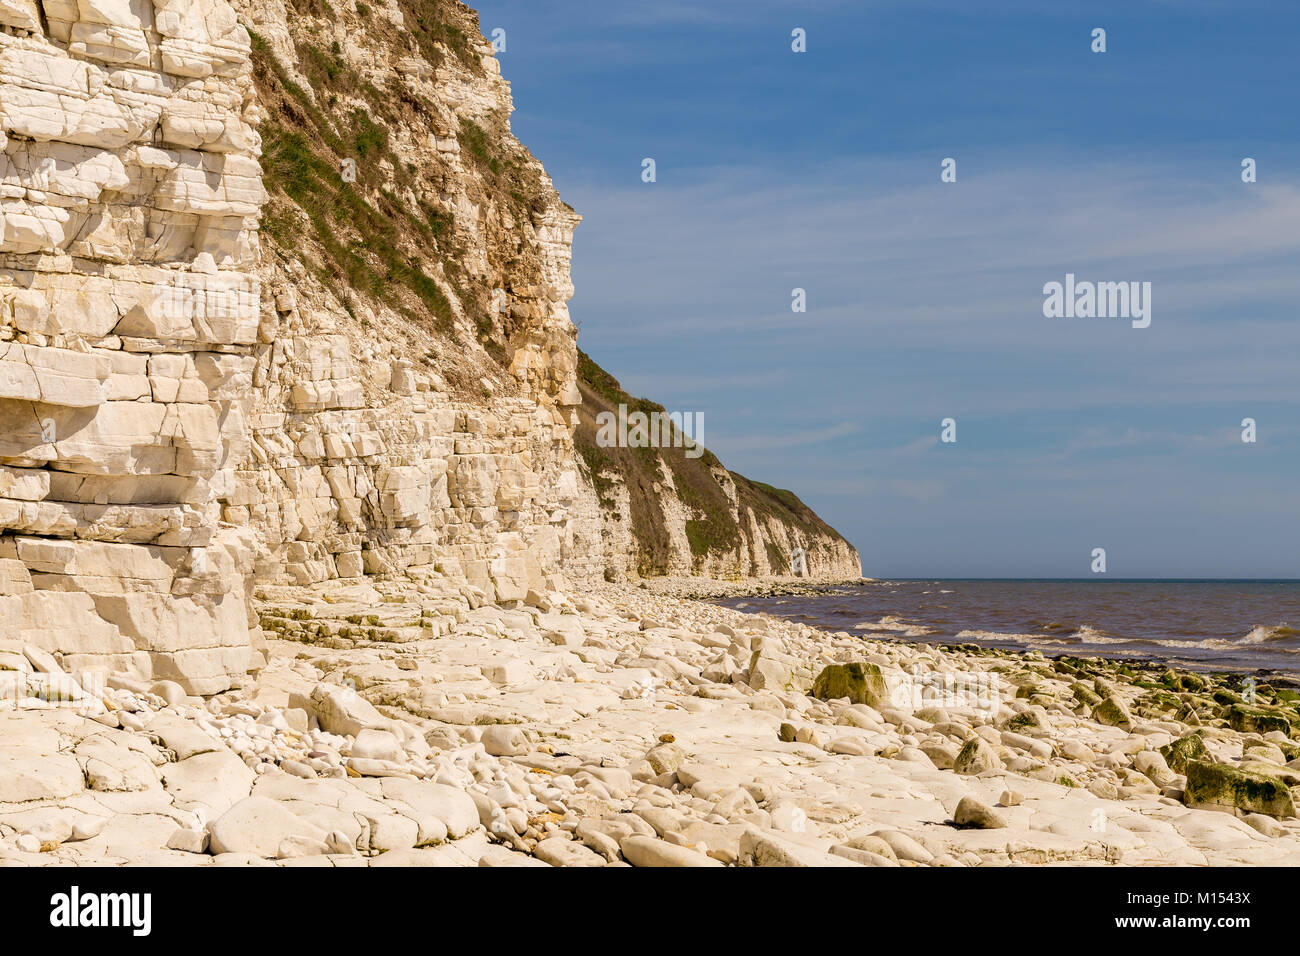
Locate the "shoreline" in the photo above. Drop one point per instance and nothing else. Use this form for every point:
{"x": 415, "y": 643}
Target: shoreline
{"x": 1154, "y": 660}
{"x": 703, "y": 589}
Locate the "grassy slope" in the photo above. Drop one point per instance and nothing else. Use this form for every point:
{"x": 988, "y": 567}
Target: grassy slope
{"x": 379, "y": 237}
{"x": 714, "y": 530}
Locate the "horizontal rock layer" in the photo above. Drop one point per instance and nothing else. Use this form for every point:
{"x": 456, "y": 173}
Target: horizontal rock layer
{"x": 130, "y": 190}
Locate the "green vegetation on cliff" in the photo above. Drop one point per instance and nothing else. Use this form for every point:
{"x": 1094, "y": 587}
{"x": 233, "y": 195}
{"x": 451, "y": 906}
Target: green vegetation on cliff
{"x": 713, "y": 531}
{"x": 372, "y": 243}
{"x": 382, "y": 233}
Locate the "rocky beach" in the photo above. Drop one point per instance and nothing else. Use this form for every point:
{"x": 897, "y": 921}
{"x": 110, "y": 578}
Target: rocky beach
{"x": 413, "y": 724}
{"x": 312, "y": 555}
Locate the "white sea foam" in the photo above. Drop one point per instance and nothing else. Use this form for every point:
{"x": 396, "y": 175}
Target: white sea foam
{"x": 890, "y": 622}
{"x": 1270, "y": 632}
{"x": 971, "y": 635}
{"x": 1095, "y": 635}
{"x": 896, "y": 625}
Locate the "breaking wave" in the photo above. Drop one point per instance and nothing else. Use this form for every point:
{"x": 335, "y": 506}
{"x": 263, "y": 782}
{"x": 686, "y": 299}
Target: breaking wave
{"x": 1266, "y": 633}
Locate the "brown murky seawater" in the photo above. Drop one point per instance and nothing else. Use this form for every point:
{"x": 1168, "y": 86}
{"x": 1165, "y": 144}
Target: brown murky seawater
{"x": 1215, "y": 625}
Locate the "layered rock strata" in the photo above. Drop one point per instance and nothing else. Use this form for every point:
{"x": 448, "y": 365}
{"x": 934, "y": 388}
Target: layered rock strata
{"x": 129, "y": 195}
{"x": 283, "y": 302}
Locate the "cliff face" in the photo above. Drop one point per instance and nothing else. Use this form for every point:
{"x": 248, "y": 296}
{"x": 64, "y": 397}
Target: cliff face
{"x": 384, "y": 379}
{"x": 413, "y": 392}
{"x": 677, "y": 510}
{"x": 129, "y": 197}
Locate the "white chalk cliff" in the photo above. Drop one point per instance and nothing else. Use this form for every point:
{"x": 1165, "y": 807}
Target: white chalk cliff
{"x": 129, "y": 306}
{"x": 290, "y": 307}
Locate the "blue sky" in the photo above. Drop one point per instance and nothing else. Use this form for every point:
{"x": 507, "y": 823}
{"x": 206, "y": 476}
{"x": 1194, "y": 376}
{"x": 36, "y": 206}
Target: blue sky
{"x": 820, "y": 171}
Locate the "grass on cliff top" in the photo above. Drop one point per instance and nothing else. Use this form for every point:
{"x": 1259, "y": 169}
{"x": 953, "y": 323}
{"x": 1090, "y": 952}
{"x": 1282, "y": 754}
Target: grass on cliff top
{"x": 432, "y": 26}
{"x": 712, "y": 531}
{"x": 380, "y": 233}
{"x": 427, "y": 22}
{"x": 433, "y": 22}
{"x": 366, "y": 248}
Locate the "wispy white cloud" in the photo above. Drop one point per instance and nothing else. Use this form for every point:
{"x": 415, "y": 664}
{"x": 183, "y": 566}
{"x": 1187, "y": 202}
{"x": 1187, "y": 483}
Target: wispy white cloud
{"x": 795, "y": 438}
{"x": 938, "y": 268}
{"x": 920, "y": 445}
{"x": 872, "y": 237}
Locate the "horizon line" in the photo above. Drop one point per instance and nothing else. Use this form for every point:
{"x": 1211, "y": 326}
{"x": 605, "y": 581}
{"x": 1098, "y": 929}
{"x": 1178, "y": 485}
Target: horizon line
{"x": 1100, "y": 579}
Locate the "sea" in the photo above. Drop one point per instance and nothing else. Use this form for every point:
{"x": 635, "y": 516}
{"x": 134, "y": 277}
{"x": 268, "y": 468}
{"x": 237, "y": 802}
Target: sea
{"x": 1219, "y": 625}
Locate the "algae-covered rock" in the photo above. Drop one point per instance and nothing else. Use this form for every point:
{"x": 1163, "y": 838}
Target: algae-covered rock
{"x": 1029, "y": 721}
{"x": 1178, "y": 753}
{"x": 1112, "y": 712}
{"x": 1268, "y": 768}
{"x": 1217, "y": 785}
{"x": 1246, "y": 719}
{"x": 975, "y": 757}
{"x": 1158, "y": 703}
{"x": 1188, "y": 681}
{"x": 860, "y": 682}
{"x": 1084, "y": 694}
